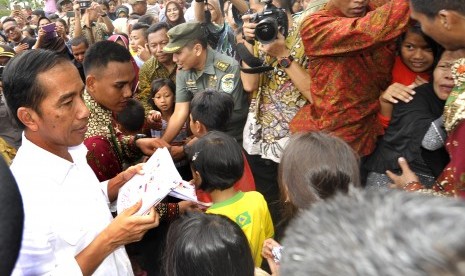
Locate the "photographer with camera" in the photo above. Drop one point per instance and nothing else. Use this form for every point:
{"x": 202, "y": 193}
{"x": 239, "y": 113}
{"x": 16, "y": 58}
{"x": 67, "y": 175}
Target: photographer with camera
{"x": 221, "y": 36}
{"x": 87, "y": 25}
{"x": 277, "y": 93}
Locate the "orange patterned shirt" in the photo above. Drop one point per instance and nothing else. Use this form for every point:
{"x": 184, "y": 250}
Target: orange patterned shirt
{"x": 350, "y": 65}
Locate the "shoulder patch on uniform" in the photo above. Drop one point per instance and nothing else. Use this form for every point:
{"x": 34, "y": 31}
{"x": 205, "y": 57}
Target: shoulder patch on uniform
{"x": 223, "y": 66}
{"x": 227, "y": 83}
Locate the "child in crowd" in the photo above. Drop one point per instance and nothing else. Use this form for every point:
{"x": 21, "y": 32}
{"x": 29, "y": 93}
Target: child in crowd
{"x": 413, "y": 67}
{"x": 314, "y": 167}
{"x": 211, "y": 110}
{"x": 162, "y": 100}
{"x": 131, "y": 120}
{"x": 217, "y": 163}
{"x": 202, "y": 244}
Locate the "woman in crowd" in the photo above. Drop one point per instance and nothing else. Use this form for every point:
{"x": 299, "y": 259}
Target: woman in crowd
{"x": 416, "y": 131}
{"x": 174, "y": 14}
{"x": 49, "y": 39}
{"x": 221, "y": 35}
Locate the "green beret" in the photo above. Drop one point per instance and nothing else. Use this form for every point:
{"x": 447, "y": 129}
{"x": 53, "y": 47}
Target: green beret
{"x": 181, "y": 34}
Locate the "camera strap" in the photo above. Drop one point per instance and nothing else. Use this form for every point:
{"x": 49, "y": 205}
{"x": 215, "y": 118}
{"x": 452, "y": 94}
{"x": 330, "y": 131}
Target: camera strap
{"x": 257, "y": 65}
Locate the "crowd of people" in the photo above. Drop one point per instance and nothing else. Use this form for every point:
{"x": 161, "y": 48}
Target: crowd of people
{"x": 294, "y": 120}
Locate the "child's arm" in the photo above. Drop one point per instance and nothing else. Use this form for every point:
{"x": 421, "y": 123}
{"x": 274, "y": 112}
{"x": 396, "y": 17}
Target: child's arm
{"x": 154, "y": 119}
{"x": 392, "y": 95}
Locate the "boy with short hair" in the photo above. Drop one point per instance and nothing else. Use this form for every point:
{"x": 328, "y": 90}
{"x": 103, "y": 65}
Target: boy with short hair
{"x": 217, "y": 163}
{"x": 211, "y": 110}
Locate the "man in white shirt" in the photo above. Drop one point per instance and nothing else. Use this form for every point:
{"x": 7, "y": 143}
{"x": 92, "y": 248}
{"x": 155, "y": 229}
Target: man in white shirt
{"x": 68, "y": 227}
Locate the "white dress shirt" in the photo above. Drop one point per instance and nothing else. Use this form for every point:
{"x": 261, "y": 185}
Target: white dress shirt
{"x": 65, "y": 208}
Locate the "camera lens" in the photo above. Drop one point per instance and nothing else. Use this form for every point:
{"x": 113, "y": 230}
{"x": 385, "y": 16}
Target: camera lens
{"x": 267, "y": 30}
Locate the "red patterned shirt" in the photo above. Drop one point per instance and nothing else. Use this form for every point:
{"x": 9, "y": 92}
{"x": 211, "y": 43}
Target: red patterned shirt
{"x": 350, "y": 64}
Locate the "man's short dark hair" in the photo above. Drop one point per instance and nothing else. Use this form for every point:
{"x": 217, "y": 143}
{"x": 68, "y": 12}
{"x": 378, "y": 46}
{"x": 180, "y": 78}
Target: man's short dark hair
{"x": 53, "y": 17}
{"x": 146, "y": 19}
{"x": 79, "y": 40}
{"x": 103, "y": 52}
{"x": 156, "y": 27}
{"x": 38, "y": 12}
{"x": 140, "y": 26}
{"x": 212, "y": 108}
{"x": 218, "y": 159}
{"x": 9, "y": 19}
{"x": 432, "y": 7}
{"x": 373, "y": 233}
{"x": 132, "y": 117}
{"x": 20, "y": 84}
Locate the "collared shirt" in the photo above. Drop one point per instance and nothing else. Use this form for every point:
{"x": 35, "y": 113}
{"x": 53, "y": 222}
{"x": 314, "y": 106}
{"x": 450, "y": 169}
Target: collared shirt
{"x": 349, "y": 69}
{"x": 108, "y": 148}
{"x": 276, "y": 102}
{"x": 65, "y": 208}
{"x": 222, "y": 74}
{"x": 151, "y": 70}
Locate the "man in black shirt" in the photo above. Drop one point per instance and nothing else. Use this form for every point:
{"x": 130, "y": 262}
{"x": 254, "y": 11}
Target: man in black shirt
{"x": 17, "y": 40}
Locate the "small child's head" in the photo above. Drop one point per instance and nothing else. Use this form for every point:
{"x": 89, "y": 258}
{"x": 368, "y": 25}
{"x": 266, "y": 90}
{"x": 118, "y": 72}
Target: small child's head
{"x": 131, "y": 120}
{"x": 418, "y": 51}
{"x": 216, "y": 161}
{"x": 162, "y": 97}
{"x": 210, "y": 110}
{"x": 206, "y": 244}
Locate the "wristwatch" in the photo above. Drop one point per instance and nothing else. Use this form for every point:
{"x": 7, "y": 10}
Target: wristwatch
{"x": 137, "y": 137}
{"x": 285, "y": 62}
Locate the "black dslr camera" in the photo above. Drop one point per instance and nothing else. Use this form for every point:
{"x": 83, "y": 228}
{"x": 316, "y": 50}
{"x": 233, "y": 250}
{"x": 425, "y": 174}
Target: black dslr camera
{"x": 270, "y": 21}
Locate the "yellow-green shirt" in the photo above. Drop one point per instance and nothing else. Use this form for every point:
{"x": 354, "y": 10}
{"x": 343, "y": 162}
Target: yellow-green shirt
{"x": 250, "y": 211}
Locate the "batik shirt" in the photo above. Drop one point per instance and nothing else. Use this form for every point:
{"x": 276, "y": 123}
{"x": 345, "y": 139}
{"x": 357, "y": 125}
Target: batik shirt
{"x": 351, "y": 61}
{"x": 277, "y": 100}
{"x": 108, "y": 149}
{"x": 151, "y": 70}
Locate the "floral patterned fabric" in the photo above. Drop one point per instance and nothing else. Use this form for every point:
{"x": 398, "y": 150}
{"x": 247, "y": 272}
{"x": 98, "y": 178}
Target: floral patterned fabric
{"x": 276, "y": 102}
{"x": 350, "y": 61}
{"x": 452, "y": 179}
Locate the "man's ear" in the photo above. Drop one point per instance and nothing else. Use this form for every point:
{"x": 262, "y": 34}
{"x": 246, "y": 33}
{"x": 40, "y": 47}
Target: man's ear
{"x": 28, "y": 117}
{"x": 90, "y": 83}
{"x": 197, "y": 178}
{"x": 200, "y": 128}
{"x": 198, "y": 49}
{"x": 446, "y": 18}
